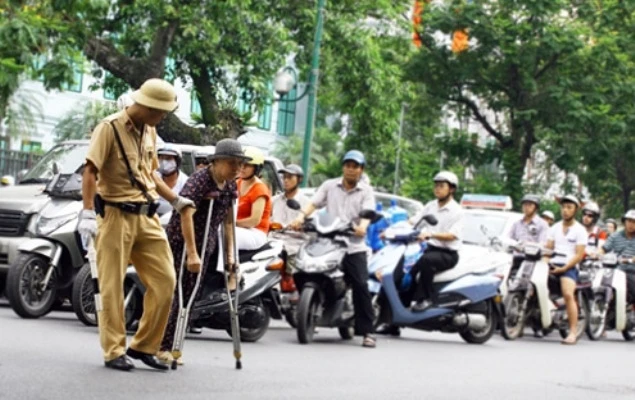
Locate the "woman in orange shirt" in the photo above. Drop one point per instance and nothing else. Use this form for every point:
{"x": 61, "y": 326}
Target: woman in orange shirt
{"x": 254, "y": 203}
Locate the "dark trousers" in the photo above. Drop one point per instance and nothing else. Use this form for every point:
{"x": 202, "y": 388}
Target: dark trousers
{"x": 356, "y": 273}
{"x": 516, "y": 263}
{"x": 433, "y": 261}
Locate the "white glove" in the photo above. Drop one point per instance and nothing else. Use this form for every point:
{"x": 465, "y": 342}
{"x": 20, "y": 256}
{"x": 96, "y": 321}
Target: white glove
{"x": 87, "y": 223}
{"x": 181, "y": 202}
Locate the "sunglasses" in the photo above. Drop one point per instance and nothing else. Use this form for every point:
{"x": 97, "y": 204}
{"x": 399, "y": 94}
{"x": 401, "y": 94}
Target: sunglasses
{"x": 588, "y": 215}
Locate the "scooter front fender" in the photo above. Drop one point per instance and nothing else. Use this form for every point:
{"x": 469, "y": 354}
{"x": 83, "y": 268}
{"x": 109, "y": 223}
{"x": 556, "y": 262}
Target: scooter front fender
{"x": 43, "y": 247}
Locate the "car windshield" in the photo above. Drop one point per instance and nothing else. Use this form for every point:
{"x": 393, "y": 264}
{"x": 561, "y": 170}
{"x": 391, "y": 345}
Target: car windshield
{"x": 412, "y": 207}
{"x": 472, "y": 231}
{"x": 68, "y": 156}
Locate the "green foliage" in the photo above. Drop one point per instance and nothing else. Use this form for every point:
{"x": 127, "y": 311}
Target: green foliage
{"x": 80, "y": 122}
{"x": 326, "y": 154}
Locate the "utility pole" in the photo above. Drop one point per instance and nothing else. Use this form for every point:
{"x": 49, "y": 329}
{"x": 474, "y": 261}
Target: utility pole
{"x": 401, "y": 117}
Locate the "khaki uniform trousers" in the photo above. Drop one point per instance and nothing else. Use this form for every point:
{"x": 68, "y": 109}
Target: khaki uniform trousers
{"x": 122, "y": 237}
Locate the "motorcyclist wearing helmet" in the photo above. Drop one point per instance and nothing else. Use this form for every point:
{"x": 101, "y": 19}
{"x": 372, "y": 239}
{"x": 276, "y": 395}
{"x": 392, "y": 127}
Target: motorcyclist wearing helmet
{"x": 623, "y": 242}
{"x": 597, "y": 237}
{"x": 548, "y": 217}
{"x": 611, "y": 226}
{"x": 530, "y": 228}
{"x": 170, "y": 159}
{"x": 201, "y": 159}
{"x": 254, "y": 203}
{"x": 292, "y": 176}
{"x": 345, "y": 198}
{"x": 568, "y": 237}
{"x": 444, "y": 239}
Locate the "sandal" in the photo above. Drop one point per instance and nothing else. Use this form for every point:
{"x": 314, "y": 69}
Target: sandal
{"x": 369, "y": 341}
{"x": 569, "y": 341}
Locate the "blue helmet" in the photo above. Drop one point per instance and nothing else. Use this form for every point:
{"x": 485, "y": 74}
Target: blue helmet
{"x": 355, "y": 155}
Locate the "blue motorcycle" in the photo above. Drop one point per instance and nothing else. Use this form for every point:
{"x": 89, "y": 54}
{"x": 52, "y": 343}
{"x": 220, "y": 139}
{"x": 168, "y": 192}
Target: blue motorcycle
{"x": 468, "y": 301}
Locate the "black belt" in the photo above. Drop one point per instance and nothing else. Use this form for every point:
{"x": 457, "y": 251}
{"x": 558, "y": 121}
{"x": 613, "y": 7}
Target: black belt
{"x": 148, "y": 209}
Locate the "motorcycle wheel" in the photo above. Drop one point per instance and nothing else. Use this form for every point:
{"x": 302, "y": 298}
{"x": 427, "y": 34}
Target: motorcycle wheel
{"x": 597, "y": 317}
{"x": 253, "y": 335}
{"x": 514, "y": 321}
{"x": 482, "y": 336}
{"x": 307, "y": 311}
{"x": 629, "y": 332}
{"x": 23, "y": 280}
{"x": 346, "y": 332}
{"x": 83, "y": 297}
{"x": 291, "y": 317}
{"x": 583, "y": 319}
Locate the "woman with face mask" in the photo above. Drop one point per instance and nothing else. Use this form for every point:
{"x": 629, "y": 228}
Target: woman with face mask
{"x": 169, "y": 168}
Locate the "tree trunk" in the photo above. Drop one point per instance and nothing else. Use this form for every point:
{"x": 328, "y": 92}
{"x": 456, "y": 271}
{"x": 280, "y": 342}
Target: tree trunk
{"x": 626, "y": 197}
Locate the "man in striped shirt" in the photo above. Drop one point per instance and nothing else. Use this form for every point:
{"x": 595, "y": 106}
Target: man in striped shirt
{"x": 622, "y": 242}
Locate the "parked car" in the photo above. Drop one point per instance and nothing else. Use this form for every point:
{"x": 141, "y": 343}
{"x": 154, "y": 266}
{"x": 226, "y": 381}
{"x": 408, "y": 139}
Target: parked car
{"x": 20, "y": 204}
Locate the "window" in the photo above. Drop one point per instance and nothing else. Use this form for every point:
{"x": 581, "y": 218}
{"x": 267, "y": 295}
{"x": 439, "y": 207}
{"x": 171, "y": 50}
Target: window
{"x": 195, "y": 105}
{"x": 286, "y": 110}
{"x": 78, "y": 77}
{"x": 170, "y": 70}
{"x": 29, "y": 146}
{"x": 264, "y": 116}
{"x": 38, "y": 63}
{"x": 244, "y": 101}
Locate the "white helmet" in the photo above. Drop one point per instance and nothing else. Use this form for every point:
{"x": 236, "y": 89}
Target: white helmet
{"x": 8, "y": 180}
{"x": 570, "y": 199}
{"x": 630, "y": 214}
{"x": 591, "y": 207}
{"x": 549, "y": 214}
{"x": 447, "y": 176}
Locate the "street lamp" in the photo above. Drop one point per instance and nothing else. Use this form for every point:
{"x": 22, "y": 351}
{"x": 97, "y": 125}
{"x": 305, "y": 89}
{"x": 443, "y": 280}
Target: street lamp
{"x": 285, "y": 82}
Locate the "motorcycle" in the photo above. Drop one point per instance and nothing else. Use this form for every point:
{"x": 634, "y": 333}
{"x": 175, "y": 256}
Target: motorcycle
{"x": 535, "y": 299}
{"x": 259, "y": 299}
{"x": 326, "y": 299}
{"x": 44, "y": 271}
{"x": 613, "y": 302}
{"x": 468, "y": 300}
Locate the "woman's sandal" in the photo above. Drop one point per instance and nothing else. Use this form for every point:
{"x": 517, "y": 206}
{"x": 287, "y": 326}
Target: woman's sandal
{"x": 369, "y": 341}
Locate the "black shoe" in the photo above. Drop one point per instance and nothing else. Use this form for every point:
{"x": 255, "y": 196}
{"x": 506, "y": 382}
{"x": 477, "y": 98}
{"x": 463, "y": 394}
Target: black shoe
{"x": 421, "y": 305}
{"x": 121, "y": 363}
{"x": 147, "y": 359}
{"x": 386, "y": 329}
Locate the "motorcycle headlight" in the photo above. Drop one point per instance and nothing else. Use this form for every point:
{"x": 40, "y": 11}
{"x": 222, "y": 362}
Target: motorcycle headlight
{"x": 315, "y": 266}
{"x": 46, "y": 226}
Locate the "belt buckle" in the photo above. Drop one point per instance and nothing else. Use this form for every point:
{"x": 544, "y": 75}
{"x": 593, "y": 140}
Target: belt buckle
{"x": 144, "y": 209}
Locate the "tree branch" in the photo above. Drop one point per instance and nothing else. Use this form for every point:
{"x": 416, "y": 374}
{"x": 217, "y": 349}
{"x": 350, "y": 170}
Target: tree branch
{"x": 481, "y": 118}
{"x": 105, "y": 54}
{"x": 161, "y": 44}
{"x": 547, "y": 66}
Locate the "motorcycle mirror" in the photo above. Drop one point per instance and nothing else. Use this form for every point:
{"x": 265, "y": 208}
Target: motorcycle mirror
{"x": 56, "y": 168}
{"x": 293, "y": 204}
{"x": 430, "y": 219}
{"x": 372, "y": 215}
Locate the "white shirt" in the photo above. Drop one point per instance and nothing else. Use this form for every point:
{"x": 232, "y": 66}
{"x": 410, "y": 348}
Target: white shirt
{"x": 450, "y": 220}
{"x": 164, "y": 206}
{"x": 281, "y": 213}
{"x": 566, "y": 242}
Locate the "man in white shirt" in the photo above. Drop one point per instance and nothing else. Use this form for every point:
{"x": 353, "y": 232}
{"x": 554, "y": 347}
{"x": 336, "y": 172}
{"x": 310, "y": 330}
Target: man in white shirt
{"x": 292, "y": 176}
{"x": 444, "y": 239}
{"x": 568, "y": 237}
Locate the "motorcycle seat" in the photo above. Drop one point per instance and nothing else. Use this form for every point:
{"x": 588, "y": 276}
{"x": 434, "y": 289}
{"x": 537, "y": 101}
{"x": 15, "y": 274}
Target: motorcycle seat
{"x": 246, "y": 255}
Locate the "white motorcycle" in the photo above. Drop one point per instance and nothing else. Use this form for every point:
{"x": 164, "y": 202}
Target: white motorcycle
{"x": 613, "y": 302}
{"x": 530, "y": 301}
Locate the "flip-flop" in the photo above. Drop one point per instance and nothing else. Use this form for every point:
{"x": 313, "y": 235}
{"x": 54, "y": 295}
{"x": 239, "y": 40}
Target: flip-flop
{"x": 369, "y": 341}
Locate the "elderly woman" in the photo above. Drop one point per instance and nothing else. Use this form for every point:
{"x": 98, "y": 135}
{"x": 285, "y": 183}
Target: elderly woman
{"x": 185, "y": 232}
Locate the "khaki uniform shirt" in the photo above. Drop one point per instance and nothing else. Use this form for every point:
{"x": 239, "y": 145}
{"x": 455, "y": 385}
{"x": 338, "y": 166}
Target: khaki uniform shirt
{"x": 113, "y": 183}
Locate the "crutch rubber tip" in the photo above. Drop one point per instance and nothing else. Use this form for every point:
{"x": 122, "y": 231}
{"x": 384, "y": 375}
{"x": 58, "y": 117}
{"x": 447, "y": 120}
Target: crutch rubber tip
{"x": 239, "y": 364}
{"x": 173, "y": 364}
